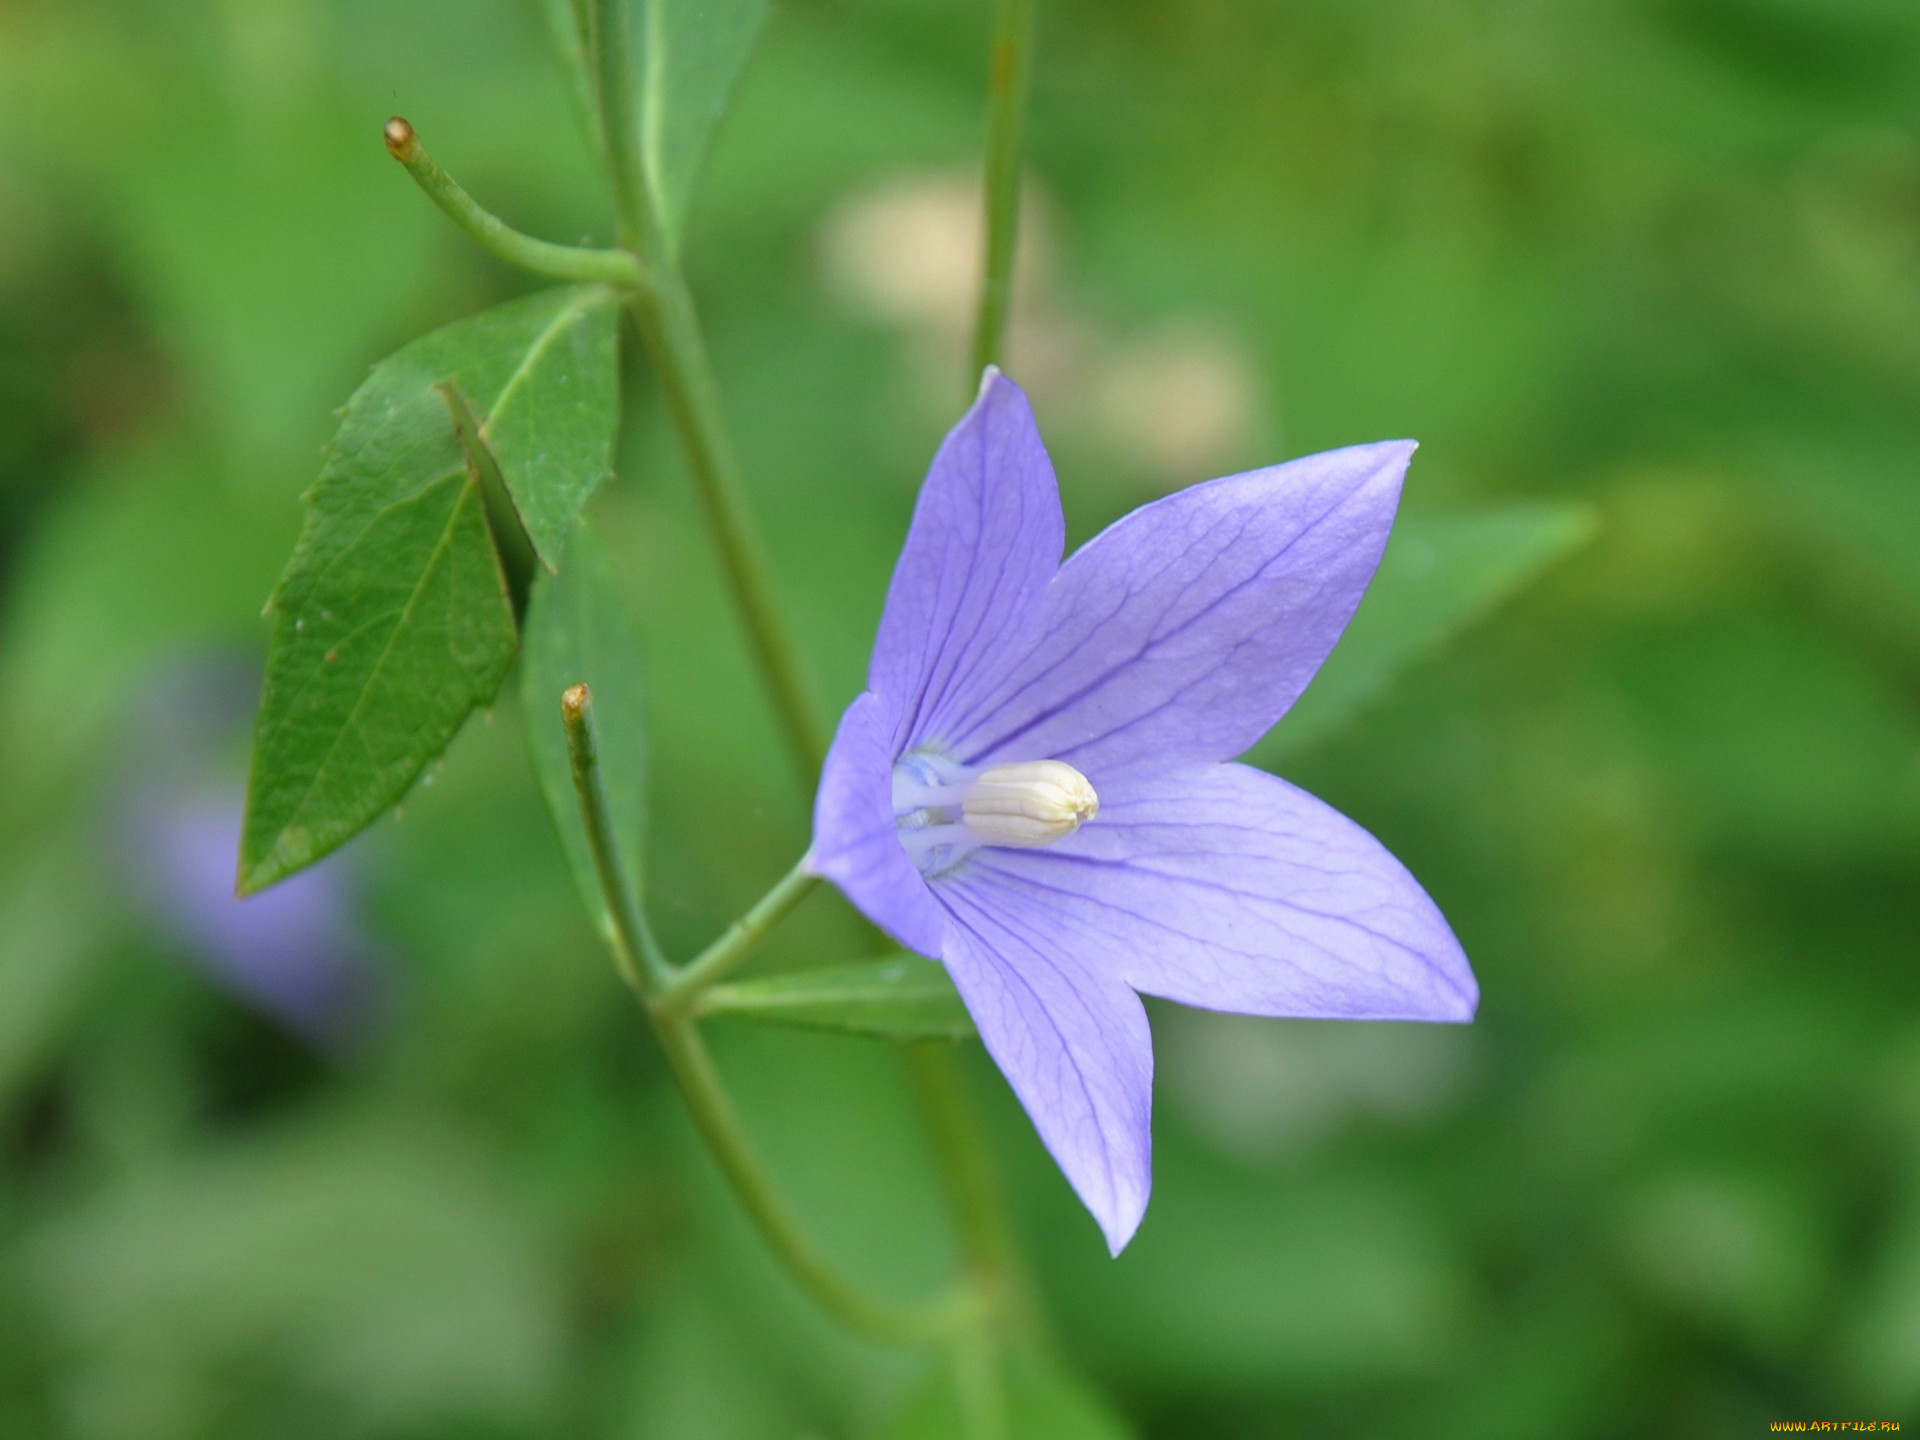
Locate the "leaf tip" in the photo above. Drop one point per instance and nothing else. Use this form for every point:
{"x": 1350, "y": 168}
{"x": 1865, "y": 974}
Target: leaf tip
{"x": 262, "y": 863}
{"x": 574, "y": 701}
{"x": 250, "y": 878}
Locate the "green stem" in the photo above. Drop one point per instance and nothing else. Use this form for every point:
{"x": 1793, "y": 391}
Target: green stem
{"x": 671, "y": 329}
{"x": 570, "y": 27}
{"x": 972, "y": 1185}
{"x": 621, "y": 268}
{"x": 978, "y": 1385}
{"x": 637, "y": 954}
{"x": 967, "y": 1173}
{"x": 625, "y": 168}
{"x": 713, "y": 1113}
{"x": 1007, "y": 84}
{"x": 720, "y": 1126}
{"x": 669, "y": 325}
{"x": 721, "y": 957}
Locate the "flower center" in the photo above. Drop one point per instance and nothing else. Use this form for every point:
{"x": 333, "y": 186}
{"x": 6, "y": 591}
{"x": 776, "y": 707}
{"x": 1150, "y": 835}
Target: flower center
{"x": 944, "y": 810}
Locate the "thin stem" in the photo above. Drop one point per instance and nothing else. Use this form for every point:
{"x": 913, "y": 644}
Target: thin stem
{"x": 706, "y": 1097}
{"x": 569, "y": 27}
{"x": 670, "y": 326}
{"x": 978, "y": 1386}
{"x": 671, "y": 329}
{"x": 966, "y": 1168}
{"x": 721, "y": 957}
{"x": 637, "y": 954}
{"x": 972, "y": 1185}
{"x": 562, "y": 262}
{"x": 720, "y": 1126}
{"x": 622, "y": 135}
{"x": 1007, "y": 84}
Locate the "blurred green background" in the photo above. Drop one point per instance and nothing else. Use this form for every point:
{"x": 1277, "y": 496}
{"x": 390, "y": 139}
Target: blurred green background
{"x": 393, "y": 1157}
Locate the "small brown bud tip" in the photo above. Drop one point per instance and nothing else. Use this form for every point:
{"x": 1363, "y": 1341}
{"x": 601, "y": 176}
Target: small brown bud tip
{"x": 573, "y": 701}
{"x": 401, "y": 140}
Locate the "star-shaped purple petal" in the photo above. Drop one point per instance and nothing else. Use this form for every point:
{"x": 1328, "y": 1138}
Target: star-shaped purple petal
{"x": 1139, "y": 669}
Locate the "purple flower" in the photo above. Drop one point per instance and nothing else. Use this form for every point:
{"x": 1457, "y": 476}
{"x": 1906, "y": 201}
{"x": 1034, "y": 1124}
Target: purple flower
{"x": 1036, "y": 789}
{"x": 295, "y": 952}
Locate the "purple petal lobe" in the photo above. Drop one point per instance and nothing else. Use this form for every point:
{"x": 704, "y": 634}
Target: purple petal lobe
{"x": 1225, "y": 887}
{"x": 855, "y": 844}
{"x": 986, "y": 538}
{"x": 1185, "y": 630}
{"x": 1074, "y": 1045}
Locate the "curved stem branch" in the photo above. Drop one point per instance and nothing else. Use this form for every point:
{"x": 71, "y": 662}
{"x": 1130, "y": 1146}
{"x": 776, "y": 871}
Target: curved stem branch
{"x": 636, "y": 953}
{"x": 720, "y": 1126}
{"x": 562, "y": 262}
{"x": 669, "y": 324}
{"x": 1007, "y": 84}
{"x": 645, "y": 969}
{"x": 721, "y": 957}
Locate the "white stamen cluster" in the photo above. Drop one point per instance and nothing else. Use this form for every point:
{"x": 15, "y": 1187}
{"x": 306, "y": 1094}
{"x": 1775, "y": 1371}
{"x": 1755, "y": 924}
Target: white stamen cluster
{"x": 1028, "y": 805}
{"x": 944, "y": 810}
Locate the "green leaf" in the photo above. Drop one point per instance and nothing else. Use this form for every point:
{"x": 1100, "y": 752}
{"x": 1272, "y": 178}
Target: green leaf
{"x": 1440, "y": 575}
{"x": 544, "y": 371}
{"x": 579, "y": 629}
{"x": 1038, "y": 1399}
{"x": 392, "y": 621}
{"x": 691, "y": 53}
{"x": 902, "y": 997}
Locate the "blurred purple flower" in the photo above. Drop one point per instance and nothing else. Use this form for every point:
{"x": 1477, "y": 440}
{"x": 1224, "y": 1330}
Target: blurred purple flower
{"x": 294, "y": 952}
{"x": 1034, "y": 787}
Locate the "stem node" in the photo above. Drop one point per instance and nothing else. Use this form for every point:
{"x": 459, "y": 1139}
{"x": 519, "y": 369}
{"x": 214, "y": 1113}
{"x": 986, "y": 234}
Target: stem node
{"x": 720, "y": 958}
